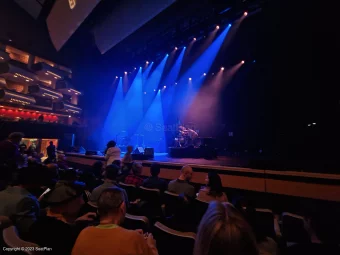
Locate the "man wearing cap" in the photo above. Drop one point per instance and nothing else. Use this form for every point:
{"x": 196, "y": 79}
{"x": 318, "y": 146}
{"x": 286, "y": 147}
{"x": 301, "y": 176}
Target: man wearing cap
{"x": 60, "y": 227}
{"x": 108, "y": 237}
{"x": 9, "y": 150}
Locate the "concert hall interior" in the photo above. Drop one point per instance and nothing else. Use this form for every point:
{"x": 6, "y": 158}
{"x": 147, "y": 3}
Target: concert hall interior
{"x": 232, "y": 95}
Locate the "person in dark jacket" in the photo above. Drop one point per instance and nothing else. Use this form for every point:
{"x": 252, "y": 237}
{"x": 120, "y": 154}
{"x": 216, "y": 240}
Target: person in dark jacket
{"x": 51, "y": 152}
{"x": 154, "y": 182}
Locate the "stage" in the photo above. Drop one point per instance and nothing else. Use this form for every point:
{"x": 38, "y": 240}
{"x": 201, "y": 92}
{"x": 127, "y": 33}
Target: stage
{"x": 236, "y": 174}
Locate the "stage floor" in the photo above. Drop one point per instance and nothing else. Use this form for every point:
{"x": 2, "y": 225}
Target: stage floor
{"x": 219, "y": 161}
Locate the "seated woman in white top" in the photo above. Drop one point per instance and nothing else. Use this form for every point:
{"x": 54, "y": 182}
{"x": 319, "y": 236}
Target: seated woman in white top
{"x": 112, "y": 153}
{"x": 214, "y": 190}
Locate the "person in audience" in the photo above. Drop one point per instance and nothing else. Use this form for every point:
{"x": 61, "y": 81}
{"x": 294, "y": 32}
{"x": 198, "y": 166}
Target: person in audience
{"x": 108, "y": 237}
{"x": 18, "y": 202}
{"x": 112, "y": 153}
{"x": 51, "y": 153}
{"x": 213, "y": 190}
{"x": 128, "y": 157}
{"x": 9, "y": 150}
{"x": 223, "y": 230}
{"x": 62, "y": 164}
{"x": 135, "y": 178}
{"x": 181, "y": 185}
{"x": 23, "y": 161}
{"x": 60, "y": 227}
{"x": 97, "y": 168}
{"x": 154, "y": 182}
{"x": 117, "y": 163}
{"x": 111, "y": 174}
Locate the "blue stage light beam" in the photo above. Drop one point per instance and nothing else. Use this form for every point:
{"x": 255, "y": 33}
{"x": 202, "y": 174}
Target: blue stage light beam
{"x": 133, "y": 104}
{"x": 191, "y": 81}
{"x": 152, "y": 83}
{"x": 152, "y": 126}
{"x": 147, "y": 72}
{"x": 115, "y": 120}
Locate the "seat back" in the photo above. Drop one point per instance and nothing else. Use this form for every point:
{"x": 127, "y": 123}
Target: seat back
{"x": 12, "y": 240}
{"x": 171, "y": 242}
{"x": 172, "y": 203}
{"x": 136, "y": 222}
{"x": 293, "y": 229}
{"x": 265, "y": 219}
{"x": 200, "y": 209}
{"x": 150, "y": 195}
{"x": 131, "y": 191}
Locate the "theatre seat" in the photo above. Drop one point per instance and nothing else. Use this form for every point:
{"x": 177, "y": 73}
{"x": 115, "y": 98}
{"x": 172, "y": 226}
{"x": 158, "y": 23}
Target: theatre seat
{"x": 293, "y": 230}
{"x": 131, "y": 191}
{"x": 170, "y": 242}
{"x": 265, "y": 218}
{"x": 200, "y": 207}
{"x": 151, "y": 202}
{"x": 136, "y": 222}
{"x": 172, "y": 203}
{"x": 12, "y": 240}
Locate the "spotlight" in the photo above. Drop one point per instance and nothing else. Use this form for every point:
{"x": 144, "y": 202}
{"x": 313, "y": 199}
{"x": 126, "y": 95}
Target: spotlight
{"x": 140, "y": 67}
{"x": 314, "y": 123}
{"x": 217, "y": 27}
{"x": 116, "y": 77}
{"x": 213, "y": 73}
{"x": 134, "y": 68}
{"x": 222, "y": 68}
{"x": 309, "y": 125}
{"x": 69, "y": 116}
{"x": 175, "y": 83}
{"x": 176, "y": 48}
{"x": 159, "y": 90}
{"x": 190, "y": 79}
{"x": 204, "y": 74}
{"x": 46, "y": 73}
{"x": 147, "y": 62}
{"x": 229, "y": 25}
{"x": 120, "y": 77}
{"x": 15, "y": 76}
{"x": 194, "y": 38}
{"x": 164, "y": 87}
{"x": 144, "y": 93}
{"x": 242, "y": 62}
{"x": 254, "y": 61}
{"x": 184, "y": 47}
{"x": 27, "y": 80}
{"x": 245, "y": 13}
{"x": 125, "y": 72}
{"x": 154, "y": 90}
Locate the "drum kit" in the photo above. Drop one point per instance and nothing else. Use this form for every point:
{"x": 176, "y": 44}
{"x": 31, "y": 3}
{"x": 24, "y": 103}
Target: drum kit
{"x": 187, "y": 137}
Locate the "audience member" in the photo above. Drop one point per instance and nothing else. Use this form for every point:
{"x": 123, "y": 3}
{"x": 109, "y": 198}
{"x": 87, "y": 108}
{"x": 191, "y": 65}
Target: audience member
{"x": 51, "y": 153}
{"x": 112, "y": 153}
{"x": 62, "y": 164}
{"x": 108, "y": 237}
{"x": 128, "y": 157}
{"x": 223, "y": 230}
{"x": 111, "y": 174}
{"x": 117, "y": 163}
{"x": 213, "y": 190}
{"x": 59, "y": 229}
{"x": 97, "y": 168}
{"x": 154, "y": 182}
{"x": 181, "y": 185}
{"x": 23, "y": 160}
{"x": 9, "y": 150}
{"x": 18, "y": 202}
{"x": 135, "y": 178}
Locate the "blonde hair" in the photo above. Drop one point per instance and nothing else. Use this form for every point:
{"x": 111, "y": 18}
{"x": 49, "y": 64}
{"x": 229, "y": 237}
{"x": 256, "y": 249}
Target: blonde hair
{"x": 223, "y": 230}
